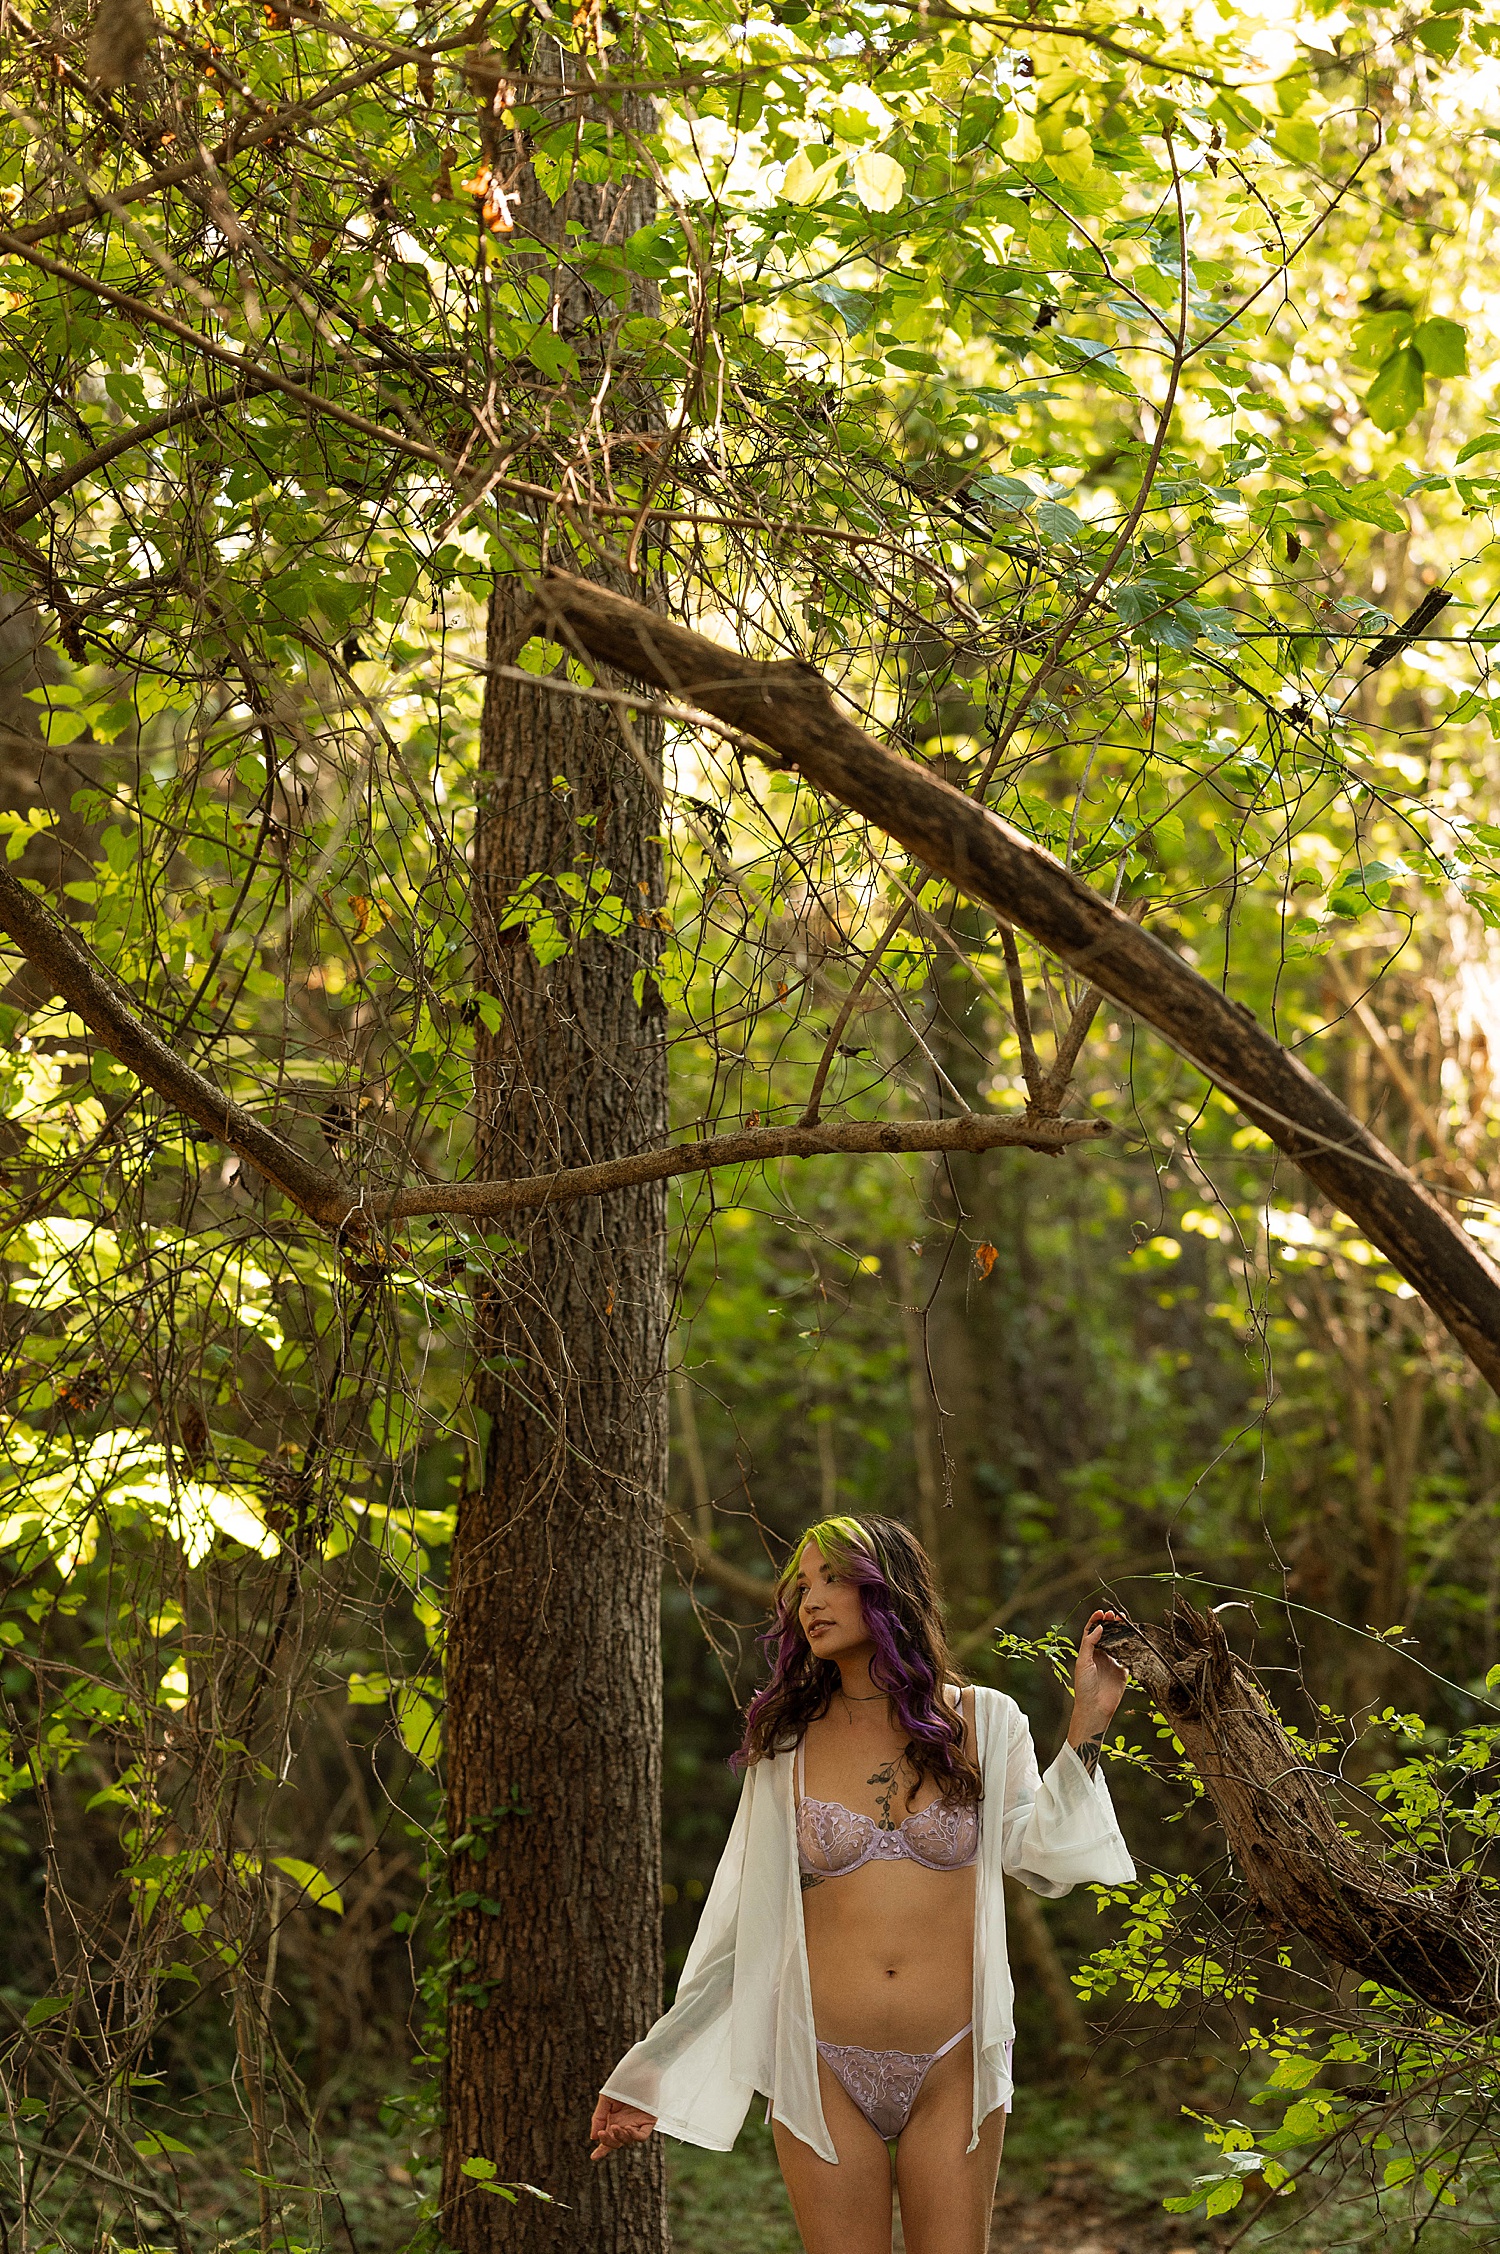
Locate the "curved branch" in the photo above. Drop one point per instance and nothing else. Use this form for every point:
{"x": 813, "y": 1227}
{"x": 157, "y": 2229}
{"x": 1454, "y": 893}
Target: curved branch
{"x": 790, "y": 708}
{"x": 46, "y": 490}
{"x": 755, "y": 1588}
{"x": 107, "y": 1010}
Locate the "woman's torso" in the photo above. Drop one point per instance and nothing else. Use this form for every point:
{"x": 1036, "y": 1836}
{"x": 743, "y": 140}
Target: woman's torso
{"x": 888, "y": 1906}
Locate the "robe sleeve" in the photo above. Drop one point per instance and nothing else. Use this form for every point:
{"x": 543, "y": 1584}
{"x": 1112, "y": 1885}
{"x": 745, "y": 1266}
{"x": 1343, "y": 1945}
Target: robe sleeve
{"x": 1058, "y": 1831}
{"x": 680, "y": 2070}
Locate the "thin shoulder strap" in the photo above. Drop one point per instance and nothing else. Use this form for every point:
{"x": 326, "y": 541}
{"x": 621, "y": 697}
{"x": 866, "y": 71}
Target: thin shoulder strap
{"x": 801, "y": 1769}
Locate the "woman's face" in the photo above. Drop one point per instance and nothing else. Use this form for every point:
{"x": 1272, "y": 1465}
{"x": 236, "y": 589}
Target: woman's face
{"x": 829, "y": 1608}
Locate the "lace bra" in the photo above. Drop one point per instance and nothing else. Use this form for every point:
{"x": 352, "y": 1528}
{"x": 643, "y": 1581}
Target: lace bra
{"x": 833, "y": 1840}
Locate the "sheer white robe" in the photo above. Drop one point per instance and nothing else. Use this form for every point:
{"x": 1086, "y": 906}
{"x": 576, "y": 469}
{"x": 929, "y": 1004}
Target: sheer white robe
{"x": 743, "y": 2019}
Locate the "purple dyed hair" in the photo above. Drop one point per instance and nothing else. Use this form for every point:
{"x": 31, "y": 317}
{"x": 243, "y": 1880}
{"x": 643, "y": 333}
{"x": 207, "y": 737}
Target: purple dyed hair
{"x": 912, "y": 1665}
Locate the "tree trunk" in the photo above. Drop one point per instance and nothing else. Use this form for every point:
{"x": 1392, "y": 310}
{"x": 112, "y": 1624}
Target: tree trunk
{"x": 554, "y": 1672}
{"x": 554, "y": 1663}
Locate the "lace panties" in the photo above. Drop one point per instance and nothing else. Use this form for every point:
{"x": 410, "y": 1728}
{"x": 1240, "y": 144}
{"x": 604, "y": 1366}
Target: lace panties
{"x": 885, "y": 2085}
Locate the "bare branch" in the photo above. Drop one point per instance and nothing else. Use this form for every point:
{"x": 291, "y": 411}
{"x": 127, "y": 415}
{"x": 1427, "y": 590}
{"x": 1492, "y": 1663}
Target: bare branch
{"x": 756, "y": 1588}
{"x": 1049, "y": 1097}
{"x": 46, "y": 490}
{"x": 1030, "y": 1064}
{"x": 752, "y": 1146}
{"x": 846, "y": 1011}
{"x": 92, "y": 994}
{"x": 332, "y": 1200}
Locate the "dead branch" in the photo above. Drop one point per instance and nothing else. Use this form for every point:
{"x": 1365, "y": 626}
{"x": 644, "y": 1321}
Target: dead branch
{"x": 1437, "y": 1942}
{"x": 789, "y": 708}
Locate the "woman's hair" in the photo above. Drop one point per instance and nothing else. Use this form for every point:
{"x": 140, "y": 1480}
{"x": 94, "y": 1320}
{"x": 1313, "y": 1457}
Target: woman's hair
{"x": 911, "y": 1663}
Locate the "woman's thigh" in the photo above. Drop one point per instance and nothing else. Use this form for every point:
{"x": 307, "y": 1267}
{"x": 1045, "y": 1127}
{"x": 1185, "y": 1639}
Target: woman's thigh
{"x": 847, "y": 2209}
{"x": 948, "y": 2192}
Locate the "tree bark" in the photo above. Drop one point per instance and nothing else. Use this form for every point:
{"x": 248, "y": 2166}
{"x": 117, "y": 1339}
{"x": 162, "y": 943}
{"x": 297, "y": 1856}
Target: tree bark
{"x": 554, "y": 1673}
{"x": 1438, "y": 1943}
{"x": 554, "y": 1658}
{"x": 789, "y": 708}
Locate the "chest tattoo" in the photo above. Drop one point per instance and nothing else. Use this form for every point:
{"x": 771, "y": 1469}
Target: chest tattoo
{"x": 884, "y": 1781}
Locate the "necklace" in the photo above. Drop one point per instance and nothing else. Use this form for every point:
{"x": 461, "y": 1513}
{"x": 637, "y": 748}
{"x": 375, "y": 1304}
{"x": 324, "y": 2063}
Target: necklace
{"x": 864, "y": 1698}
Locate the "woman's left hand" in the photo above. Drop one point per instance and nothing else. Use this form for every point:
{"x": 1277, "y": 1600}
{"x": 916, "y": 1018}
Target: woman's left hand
{"x": 1099, "y": 1684}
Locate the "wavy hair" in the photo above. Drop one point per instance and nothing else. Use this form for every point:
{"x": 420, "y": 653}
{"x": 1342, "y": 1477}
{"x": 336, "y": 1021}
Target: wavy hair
{"x": 912, "y": 1663}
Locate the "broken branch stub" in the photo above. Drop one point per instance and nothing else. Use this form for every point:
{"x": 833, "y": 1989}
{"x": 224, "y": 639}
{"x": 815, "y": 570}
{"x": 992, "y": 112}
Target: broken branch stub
{"x": 1438, "y": 1944}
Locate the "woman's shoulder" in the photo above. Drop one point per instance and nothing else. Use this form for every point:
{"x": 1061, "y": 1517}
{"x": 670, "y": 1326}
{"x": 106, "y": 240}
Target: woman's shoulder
{"x": 768, "y": 1764}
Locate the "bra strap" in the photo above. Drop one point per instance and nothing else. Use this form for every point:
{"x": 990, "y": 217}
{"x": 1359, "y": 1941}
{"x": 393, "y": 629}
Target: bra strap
{"x": 801, "y": 1769}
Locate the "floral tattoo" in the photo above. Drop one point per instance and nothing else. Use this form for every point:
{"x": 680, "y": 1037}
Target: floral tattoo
{"x": 885, "y": 1778}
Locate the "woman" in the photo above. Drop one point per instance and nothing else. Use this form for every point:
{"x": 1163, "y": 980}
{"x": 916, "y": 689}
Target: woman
{"x": 850, "y": 1961}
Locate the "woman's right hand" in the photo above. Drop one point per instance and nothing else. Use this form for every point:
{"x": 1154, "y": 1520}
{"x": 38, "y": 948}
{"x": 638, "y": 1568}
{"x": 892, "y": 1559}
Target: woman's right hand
{"x": 615, "y": 2125}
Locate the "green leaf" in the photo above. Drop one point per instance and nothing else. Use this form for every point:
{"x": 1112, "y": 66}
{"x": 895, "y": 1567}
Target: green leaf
{"x": 552, "y": 354}
{"x": 1370, "y": 503}
{"x": 314, "y": 1884}
{"x": 394, "y": 1425}
{"x": 1443, "y": 346}
{"x": 416, "y": 1718}
{"x": 157, "y": 2141}
{"x": 1396, "y": 394}
{"x": 1225, "y": 2195}
{"x": 1379, "y": 333}
{"x": 1294, "y": 2074}
{"x": 1306, "y": 2118}
{"x": 47, "y": 2008}
{"x": 855, "y": 308}
{"x": 1300, "y": 140}
{"x": 1440, "y": 35}
{"x": 479, "y": 2170}
{"x": 1485, "y": 445}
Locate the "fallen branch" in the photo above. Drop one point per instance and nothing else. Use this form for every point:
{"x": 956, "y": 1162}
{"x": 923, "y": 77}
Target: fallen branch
{"x": 789, "y": 708}
{"x": 336, "y": 1202}
{"x": 1438, "y": 1943}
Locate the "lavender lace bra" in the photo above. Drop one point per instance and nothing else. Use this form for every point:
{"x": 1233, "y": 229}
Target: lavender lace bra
{"x": 833, "y": 1840}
